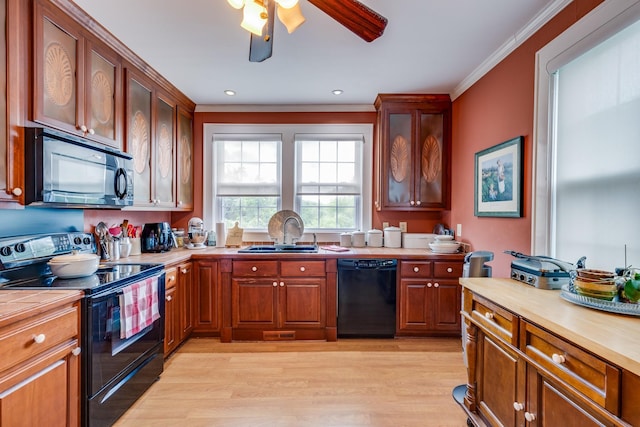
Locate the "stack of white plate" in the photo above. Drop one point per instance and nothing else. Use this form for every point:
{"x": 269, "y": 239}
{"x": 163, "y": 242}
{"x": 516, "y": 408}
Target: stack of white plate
{"x": 444, "y": 244}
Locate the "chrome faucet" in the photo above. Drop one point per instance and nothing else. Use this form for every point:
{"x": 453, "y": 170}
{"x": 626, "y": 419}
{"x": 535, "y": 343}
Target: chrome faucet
{"x": 285, "y": 231}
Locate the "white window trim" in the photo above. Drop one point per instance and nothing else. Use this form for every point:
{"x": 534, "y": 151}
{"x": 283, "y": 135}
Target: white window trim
{"x": 288, "y": 132}
{"x": 602, "y": 22}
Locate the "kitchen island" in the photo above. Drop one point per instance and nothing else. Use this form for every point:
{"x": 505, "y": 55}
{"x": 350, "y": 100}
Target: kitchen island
{"x": 532, "y": 356}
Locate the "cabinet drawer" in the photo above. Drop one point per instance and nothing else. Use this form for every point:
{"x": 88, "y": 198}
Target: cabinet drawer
{"x": 255, "y": 268}
{"x": 302, "y": 268}
{"x": 20, "y": 340}
{"x": 495, "y": 319}
{"x": 447, "y": 269}
{"x": 579, "y": 369}
{"x": 170, "y": 278}
{"x": 409, "y": 269}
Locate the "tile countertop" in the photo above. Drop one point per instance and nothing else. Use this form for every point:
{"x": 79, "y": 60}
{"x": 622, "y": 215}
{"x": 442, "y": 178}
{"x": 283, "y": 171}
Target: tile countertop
{"x": 175, "y": 256}
{"x": 17, "y": 305}
{"x": 615, "y": 337}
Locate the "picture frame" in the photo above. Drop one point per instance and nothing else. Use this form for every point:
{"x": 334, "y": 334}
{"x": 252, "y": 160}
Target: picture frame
{"x": 498, "y": 180}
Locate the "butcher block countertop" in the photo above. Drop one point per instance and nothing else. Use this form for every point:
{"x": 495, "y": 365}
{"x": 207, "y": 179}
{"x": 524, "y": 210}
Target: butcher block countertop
{"x": 16, "y": 305}
{"x": 614, "y": 337}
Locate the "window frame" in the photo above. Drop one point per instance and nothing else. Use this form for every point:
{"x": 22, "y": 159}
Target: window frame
{"x": 288, "y": 132}
{"x": 602, "y": 22}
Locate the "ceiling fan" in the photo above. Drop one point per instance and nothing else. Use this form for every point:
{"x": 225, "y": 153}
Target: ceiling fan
{"x": 259, "y": 18}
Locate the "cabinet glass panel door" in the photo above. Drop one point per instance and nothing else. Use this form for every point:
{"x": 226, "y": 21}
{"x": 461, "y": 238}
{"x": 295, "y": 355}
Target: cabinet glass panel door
{"x": 59, "y": 74}
{"x": 165, "y": 129}
{"x": 429, "y": 167}
{"x": 139, "y": 140}
{"x": 102, "y": 102}
{"x": 185, "y": 160}
{"x": 399, "y": 160}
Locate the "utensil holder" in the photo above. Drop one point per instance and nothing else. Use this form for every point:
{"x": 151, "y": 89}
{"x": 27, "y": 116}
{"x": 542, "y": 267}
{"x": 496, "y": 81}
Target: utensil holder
{"x": 136, "y": 247}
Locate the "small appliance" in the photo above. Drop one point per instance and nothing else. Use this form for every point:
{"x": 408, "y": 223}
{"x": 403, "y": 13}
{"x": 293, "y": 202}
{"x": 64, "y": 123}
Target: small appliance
{"x": 156, "y": 237}
{"x": 197, "y": 233}
{"x": 63, "y": 170}
{"x": 541, "y": 271}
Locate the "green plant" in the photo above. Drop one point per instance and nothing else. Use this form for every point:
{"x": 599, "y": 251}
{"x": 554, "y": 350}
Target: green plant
{"x": 632, "y": 286}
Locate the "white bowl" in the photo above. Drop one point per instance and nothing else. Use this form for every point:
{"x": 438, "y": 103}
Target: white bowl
{"x": 443, "y": 237}
{"x": 74, "y": 265}
{"x": 444, "y": 247}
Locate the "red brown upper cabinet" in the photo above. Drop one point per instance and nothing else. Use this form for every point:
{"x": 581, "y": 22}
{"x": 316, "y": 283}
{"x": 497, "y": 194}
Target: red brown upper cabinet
{"x": 413, "y": 152}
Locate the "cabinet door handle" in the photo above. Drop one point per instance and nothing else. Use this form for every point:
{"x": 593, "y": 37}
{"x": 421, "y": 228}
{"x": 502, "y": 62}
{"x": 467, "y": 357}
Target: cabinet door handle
{"x": 281, "y": 284}
{"x": 412, "y": 203}
{"x": 416, "y": 269}
{"x": 17, "y": 191}
{"x": 76, "y": 351}
{"x": 488, "y": 315}
{"x": 518, "y": 406}
{"x": 169, "y": 298}
{"x": 529, "y": 416}
{"x": 275, "y": 284}
{"x": 449, "y": 270}
{"x": 39, "y": 339}
{"x": 436, "y": 285}
{"x": 254, "y": 268}
{"x": 91, "y": 131}
{"x": 418, "y": 202}
{"x": 429, "y": 284}
{"x": 558, "y": 358}
{"x": 302, "y": 269}
{"x": 84, "y": 129}
{"x": 184, "y": 270}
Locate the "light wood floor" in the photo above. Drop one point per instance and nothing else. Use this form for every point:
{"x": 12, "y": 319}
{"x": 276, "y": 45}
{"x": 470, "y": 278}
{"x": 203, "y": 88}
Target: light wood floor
{"x": 380, "y": 383}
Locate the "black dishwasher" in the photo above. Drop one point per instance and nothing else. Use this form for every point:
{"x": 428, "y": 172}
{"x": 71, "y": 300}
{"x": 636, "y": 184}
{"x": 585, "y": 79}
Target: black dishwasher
{"x": 367, "y": 298}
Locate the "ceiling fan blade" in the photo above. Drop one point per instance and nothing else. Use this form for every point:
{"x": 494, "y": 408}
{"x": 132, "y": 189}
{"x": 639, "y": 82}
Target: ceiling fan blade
{"x": 355, "y": 16}
{"x": 261, "y": 47}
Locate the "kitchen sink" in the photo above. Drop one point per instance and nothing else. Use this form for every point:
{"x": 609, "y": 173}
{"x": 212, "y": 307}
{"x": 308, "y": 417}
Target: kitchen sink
{"x": 274, "y": 249}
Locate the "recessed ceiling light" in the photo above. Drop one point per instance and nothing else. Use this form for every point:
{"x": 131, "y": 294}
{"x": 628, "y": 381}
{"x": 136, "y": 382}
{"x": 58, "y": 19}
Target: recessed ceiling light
{"x": 337, "y": 91}
{"x": 229, "y": 92}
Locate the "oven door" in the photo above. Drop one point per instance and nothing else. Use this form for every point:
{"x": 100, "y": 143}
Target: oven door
{"x": 108, "y": 354}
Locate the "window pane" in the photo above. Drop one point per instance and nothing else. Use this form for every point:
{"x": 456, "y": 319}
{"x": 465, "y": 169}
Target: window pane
{"x": 250, "y": 212}
{"x": 596, "y": 182}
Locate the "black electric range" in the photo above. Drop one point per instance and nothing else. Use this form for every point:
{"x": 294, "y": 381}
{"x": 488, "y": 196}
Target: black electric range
{"x": 116, "y": 369}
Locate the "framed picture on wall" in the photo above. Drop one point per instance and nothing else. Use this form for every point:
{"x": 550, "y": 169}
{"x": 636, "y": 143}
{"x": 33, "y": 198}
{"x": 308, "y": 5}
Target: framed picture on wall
{"x": 498, "y": 180}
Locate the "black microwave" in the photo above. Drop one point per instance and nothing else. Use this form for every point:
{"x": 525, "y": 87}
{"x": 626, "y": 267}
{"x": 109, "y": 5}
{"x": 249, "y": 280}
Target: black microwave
{"x": 63, "y": 170}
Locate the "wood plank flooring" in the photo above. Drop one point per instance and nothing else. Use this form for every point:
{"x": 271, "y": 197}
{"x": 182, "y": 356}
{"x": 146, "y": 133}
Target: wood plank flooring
{"x": 348, "y": 383}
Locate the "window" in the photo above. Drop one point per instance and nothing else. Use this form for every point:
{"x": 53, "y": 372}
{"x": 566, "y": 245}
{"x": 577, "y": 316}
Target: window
{"x": 247, "y": 178}
{"x": 329, "y": 181}
{"x": 320, "y": 171}
{"x": 586, "y": 184}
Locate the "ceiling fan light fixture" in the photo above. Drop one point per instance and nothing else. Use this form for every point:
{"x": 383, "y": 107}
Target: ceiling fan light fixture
{"x": 254, "y": 16}
{"x": 291, "y": 18}
{"x": 236, "y": 4}
{"x": 287, "y": 4}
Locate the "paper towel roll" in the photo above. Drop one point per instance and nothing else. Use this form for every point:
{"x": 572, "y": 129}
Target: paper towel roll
{"x": 220, "y": 235}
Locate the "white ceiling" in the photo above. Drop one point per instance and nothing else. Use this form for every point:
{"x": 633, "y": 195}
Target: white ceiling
{"x": 429, "y": 46}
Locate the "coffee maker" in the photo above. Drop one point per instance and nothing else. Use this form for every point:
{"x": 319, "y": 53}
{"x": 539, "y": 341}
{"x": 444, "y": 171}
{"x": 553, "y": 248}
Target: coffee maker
{"x": 474, "y": 264}
{"x": 156, "y": 237}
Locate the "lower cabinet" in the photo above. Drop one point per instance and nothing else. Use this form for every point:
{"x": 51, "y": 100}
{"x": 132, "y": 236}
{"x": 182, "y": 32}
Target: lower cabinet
{"x": 207, "y": 301}
{"x": 178, "y": 317}
{"x": 520, "y": 374}
{"x": 278, "y": 300}
{"x": 429, "y": 298}
{"x": 40, "y": 370}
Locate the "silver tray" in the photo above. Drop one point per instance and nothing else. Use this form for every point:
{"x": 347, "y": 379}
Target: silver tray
{"x": 568, "y": 292}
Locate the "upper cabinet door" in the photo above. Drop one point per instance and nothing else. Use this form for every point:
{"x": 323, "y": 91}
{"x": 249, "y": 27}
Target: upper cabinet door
{"x": 185, "y": 160}
{"x": 139, "y": 137}
{"x": 413, "y": 147}
{"x": 77, "y": 79}
{"x": 58, "y": 53}
{"x": 164, "y": 149}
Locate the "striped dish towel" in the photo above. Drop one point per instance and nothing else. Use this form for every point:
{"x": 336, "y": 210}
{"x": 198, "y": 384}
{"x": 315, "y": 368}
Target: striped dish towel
{"x": 138, "y": 306}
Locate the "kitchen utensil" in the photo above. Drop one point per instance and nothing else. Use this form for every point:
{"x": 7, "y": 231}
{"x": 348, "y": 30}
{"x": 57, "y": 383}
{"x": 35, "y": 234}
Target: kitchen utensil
{"x": 74, "y": 265}
{"x": 374, "y": 238}
{"x": 357, "y": 239}
{"x": 285, "y": 227}
{"x": 392, "y": 237}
